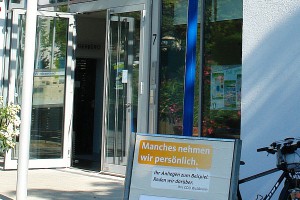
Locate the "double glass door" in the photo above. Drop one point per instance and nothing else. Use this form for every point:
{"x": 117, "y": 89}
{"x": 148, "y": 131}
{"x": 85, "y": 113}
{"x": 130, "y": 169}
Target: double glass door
{"x": 51, "y": 121}
{"x": 124, "y": 93}
{"x": 123, "y": 84}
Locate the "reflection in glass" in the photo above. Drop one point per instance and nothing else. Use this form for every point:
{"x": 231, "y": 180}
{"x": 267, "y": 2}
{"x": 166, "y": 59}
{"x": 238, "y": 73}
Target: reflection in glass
{"x": 19, "y": 69}
{"x": 15, "y": 1}
{"x": 222, "y": 69}
{"x": 124, "y": 40}
{"x": 172, "y": 66}
{"x": 15, "y": 4}
{"x": 54, "y": 5}
{"x": 57, "y": 1}
{"x": 48, "y": 87}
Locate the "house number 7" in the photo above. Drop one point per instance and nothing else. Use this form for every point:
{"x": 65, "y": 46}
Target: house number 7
{"x": 154, "y": 39}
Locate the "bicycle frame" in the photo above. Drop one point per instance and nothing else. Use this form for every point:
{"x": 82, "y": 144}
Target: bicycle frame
{"x": 274, "y": 188}
{"x": 285, "y": 151}
{"x": 250, "y": 178}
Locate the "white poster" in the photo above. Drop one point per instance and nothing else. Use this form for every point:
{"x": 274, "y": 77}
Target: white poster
{"x": 180, "y": 179}
{"x": 181, "y": 168}
{"x": 146, "y": 197}
{"x": 225, "y": 87}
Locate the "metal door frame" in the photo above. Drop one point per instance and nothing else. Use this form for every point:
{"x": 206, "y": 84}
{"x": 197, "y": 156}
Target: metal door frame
{"x": 143, "y": 93}
{"x": 128, "y": 111}
{"x": 65, "y": 161}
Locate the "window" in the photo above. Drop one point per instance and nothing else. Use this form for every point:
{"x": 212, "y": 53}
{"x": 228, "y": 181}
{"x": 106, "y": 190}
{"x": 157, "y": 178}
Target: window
{"x": 172, "y": 66}
{"x": 221, "y": 93}
{"x": 219, "y": 65}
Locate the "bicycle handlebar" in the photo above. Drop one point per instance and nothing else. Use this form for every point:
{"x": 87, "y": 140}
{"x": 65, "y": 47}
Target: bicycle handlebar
{"x": 288, "y": 145}
{"x": 267, "y": 149}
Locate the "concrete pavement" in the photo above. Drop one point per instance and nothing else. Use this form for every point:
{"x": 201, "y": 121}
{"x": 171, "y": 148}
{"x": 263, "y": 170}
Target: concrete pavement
{"x": 63, "y": 184}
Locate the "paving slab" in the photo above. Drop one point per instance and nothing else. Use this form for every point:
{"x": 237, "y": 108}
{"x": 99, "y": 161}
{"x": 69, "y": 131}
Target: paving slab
{"x": 63, "y": 184}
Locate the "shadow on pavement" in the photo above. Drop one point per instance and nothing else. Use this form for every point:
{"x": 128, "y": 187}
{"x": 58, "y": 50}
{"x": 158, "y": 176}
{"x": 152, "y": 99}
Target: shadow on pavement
{"x": 112, "y": 191}
{"x": 63, "y": 185}
{"x": 74, "y": 195}
{"x": 106, "y": 191}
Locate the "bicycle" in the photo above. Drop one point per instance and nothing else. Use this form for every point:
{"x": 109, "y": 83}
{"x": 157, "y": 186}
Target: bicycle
{"x": 288, "y": 161}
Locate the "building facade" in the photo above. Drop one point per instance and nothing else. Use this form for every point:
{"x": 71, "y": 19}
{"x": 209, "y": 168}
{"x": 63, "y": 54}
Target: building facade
{"x": 104, "y": 69}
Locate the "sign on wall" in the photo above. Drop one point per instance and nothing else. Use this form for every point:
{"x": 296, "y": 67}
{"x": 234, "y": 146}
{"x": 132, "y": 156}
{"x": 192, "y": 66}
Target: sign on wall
{"x": 181, "y": 168}
{"x": 225, "y": 86}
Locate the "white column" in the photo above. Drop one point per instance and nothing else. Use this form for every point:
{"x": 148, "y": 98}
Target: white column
{"x": 28, "y": 69}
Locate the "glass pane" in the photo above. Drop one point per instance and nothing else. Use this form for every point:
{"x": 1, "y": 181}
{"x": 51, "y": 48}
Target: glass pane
{"x": 222, "y": 69}
{"x": 16, "y": 4}
{"x": 15, "y": 1}
{"x": 172, "y": 66}
{"x": 57, "y": 1}
{"x": 49, "y": 89}
{"x": 46, "y": 2}
{"x": 19, "y": 68}
{"x": 123, "y": 66}
{"x": 197, "y": 78}
{"x": 20, "y": 58}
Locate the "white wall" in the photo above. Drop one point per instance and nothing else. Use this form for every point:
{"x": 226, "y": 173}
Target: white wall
{"x": 271, "y": 84}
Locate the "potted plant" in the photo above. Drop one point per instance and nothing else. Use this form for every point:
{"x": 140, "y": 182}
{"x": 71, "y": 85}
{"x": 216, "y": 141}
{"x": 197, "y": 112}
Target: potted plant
{"x": 9, "y": 125}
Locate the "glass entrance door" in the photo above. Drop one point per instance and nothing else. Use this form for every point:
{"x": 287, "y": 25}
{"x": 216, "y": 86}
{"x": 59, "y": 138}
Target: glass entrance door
{"x": 50, "y": 137}
{"x": 123, "y": 67}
